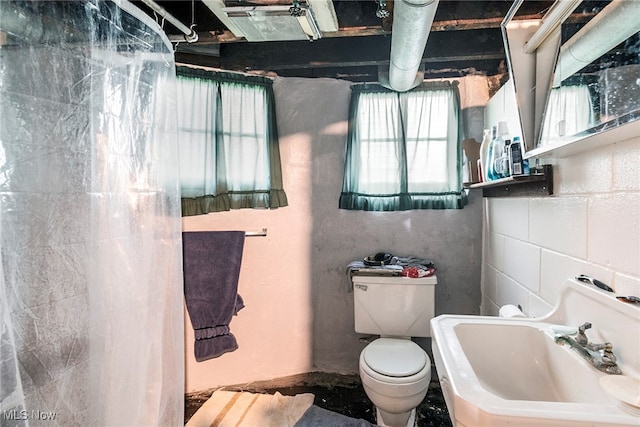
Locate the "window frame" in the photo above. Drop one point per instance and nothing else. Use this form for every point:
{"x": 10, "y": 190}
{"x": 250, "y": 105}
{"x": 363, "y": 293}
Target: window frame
{"x": 358, "y": 194}
{"x": 217, "y": 187}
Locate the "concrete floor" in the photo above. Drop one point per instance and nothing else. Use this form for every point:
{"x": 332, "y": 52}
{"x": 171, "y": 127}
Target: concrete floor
{"x": 338, "y": 393}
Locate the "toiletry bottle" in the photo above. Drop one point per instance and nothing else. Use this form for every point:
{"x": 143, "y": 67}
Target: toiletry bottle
{"x": 525, "y": 162}
{"x": 484, "y": 152}
{"x": 504, "y": 159}
{"x": 491, "y": 175}
{"x": 515, "y": 157}
{"x": 503, "y": 135}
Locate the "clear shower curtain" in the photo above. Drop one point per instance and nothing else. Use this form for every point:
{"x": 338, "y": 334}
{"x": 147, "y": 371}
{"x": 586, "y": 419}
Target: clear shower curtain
{"x": 90, "y": 233}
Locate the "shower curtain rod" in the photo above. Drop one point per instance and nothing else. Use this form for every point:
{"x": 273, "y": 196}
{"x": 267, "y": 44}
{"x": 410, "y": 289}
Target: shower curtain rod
{"x": 190, "y": 36}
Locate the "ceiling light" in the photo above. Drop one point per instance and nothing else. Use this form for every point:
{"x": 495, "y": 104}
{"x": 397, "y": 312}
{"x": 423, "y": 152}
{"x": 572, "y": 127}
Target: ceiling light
{"x": 278, "y": 22}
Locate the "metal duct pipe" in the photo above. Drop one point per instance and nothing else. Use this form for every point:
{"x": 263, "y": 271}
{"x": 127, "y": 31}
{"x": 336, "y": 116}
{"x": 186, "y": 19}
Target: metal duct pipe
{"x": 614, "y": 24}
{"x": 412, "y": 21}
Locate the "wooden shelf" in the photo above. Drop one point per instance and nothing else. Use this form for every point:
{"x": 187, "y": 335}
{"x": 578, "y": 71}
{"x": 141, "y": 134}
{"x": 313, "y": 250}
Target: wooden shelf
{"x": 536, "y": 184}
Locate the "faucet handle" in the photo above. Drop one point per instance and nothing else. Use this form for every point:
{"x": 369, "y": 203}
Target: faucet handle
{"x": 607, "y": 354}
{"x": 582, "y": 338}
{"x": 583, "y": 327}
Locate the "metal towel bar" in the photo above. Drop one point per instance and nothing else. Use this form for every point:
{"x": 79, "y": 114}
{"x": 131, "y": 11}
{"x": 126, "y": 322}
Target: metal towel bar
{"x": 256, "y": 233}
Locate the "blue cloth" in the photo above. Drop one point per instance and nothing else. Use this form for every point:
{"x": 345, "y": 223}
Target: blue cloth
{"x": 316, "y": 416}
{"x": 211, "y": 264}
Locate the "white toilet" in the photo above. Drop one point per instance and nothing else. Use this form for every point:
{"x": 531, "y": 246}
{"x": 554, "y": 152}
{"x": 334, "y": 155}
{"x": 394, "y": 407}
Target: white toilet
{"x": 395, "y": 371}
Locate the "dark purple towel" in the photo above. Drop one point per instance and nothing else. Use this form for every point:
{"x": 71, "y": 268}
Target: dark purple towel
{"x": 211, "y": 263}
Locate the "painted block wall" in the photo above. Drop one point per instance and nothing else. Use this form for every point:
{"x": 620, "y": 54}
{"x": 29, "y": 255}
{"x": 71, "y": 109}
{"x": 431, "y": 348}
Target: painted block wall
{"x": 299, "y": 307}
{"x": 591, "y": 225}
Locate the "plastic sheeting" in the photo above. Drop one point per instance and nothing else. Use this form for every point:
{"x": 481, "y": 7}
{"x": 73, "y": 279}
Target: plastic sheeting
{"x": 91, "y": 276}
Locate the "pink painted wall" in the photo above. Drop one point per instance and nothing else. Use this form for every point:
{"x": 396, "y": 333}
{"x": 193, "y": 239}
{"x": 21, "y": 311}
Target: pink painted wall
{"x": 299, "y": 307}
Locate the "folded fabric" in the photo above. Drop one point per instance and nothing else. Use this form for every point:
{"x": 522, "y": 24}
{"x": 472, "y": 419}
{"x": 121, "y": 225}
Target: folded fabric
{"x": 356, "y": 266}
{"x": 412, "y": 261}
{"x": 415, "y": 272}
{"x": 397, "y": 264}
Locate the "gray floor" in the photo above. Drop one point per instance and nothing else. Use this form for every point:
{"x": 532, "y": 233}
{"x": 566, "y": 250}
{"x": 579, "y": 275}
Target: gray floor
{"x": 342, "y": 394}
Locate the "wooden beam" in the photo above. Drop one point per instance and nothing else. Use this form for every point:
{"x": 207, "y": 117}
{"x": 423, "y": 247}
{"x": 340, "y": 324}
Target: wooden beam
{"x": 198, "y": 59}
{"x": 456, "y": 46}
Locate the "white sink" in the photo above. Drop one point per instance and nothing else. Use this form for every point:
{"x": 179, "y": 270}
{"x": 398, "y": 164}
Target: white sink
{"x": 510, "y": 372}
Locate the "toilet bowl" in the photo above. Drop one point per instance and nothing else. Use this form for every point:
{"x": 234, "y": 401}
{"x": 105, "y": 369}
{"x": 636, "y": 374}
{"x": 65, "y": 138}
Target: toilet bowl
{"x": 395, "y": 374}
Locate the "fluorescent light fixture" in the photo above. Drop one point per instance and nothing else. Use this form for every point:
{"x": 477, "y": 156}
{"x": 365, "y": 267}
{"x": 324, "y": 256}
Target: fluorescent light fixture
{"x": 325, "y": 15}
{"x": 270, "y": 23}
{"x": 560, "y": 10}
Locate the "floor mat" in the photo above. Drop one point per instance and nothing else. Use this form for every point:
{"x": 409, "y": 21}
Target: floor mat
{"x": 229, "y": 408}
{"x": 319, "y": 417}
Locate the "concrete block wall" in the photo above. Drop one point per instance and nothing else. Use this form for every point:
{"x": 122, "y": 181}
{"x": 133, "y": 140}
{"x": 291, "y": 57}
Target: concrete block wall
{"x": 591, "y": 225}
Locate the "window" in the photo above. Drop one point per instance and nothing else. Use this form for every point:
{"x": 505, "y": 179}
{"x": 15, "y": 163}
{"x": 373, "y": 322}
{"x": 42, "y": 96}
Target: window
{"x": 229, "y": 154}
{"x": 403, "y": 149}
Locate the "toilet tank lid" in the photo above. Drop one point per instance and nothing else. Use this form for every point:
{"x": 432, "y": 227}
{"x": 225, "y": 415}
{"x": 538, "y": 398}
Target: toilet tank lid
{"x": 395, "y": 357}
{"x": 395, "y": 280}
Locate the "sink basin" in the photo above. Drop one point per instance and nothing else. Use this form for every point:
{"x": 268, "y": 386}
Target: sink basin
{"x": 504, "y": 372}
{"x": 543, "y": 371}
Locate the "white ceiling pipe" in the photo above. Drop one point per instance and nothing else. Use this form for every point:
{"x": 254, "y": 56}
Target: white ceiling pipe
{"x": 190, "y": 35}
{"x": 412, "y": 21}
{"x": 618, "y": 21}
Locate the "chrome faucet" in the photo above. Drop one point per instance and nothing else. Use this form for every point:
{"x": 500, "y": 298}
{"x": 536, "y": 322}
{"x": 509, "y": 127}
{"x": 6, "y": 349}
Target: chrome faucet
{"x": 599, "y": 355}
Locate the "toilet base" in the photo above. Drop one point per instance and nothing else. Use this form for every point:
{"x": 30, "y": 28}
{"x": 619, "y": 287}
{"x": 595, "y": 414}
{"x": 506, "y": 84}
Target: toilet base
{"x": 387, "y": 419}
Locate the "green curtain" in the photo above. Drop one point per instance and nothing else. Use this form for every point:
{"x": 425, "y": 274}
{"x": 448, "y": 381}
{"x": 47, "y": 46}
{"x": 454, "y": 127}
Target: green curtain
{"x": 403, "y": 149}
{"x": 228, "y": 140}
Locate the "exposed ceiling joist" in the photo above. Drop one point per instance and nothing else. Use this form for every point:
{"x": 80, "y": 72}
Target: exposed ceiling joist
{"x": 465, "y": 38}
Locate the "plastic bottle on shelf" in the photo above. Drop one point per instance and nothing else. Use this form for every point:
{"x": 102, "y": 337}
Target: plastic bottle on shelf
{"x": 490, "y": 167}
{"x": 504, "y": 159}
{"x": 499, "y": 150}
{"x": 516, "y": 162}
{"x": 484, "y": 152}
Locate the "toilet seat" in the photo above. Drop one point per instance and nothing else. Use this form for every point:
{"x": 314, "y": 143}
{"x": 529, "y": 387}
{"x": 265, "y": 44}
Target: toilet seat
{"x": 394, "y": 357}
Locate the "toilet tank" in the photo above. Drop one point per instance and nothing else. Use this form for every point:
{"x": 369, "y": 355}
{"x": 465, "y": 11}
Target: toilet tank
{"x": 394, "y": 306}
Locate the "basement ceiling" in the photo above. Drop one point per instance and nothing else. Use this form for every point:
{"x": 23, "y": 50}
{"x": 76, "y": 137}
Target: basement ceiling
{"x": 465, "y": 38}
